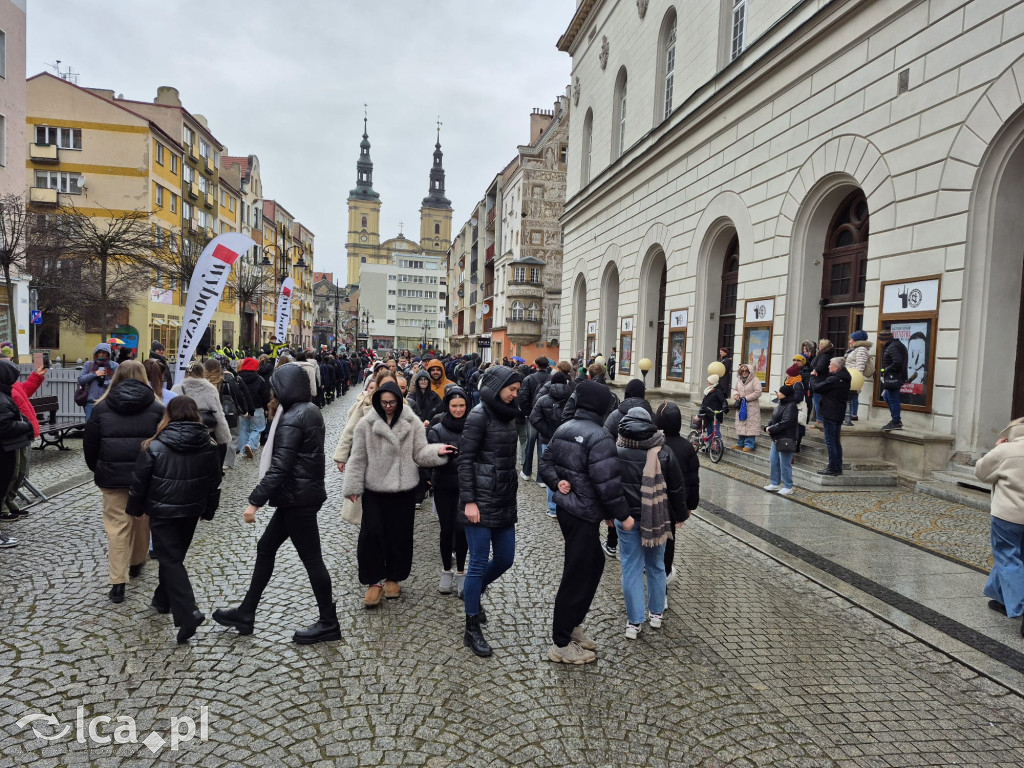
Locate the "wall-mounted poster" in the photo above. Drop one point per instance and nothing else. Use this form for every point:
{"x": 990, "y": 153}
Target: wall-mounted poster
{"x": 757, "y": 338}
{"x": 910, "y": 309}
{"x": 627, "y": 325}
{"x": 625, "y": 352}
{"x": 677, "y": 344}
{"x": 592, "y": 328}
{"x": 591, "y": 347}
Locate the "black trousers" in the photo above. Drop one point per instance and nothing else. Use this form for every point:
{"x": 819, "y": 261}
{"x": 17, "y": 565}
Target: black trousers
{"x": 670, "y": 552}
{"x": 8, "y": 466}
{"x": 298, "y": 524}
{"x": 581, "y": 573}
{"x": 172, "y": 537}
{"x": 453, "y": 534}
{"x": 384, "y": 549}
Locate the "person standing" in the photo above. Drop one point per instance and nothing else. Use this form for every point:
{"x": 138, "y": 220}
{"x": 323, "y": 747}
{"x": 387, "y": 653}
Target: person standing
{"x": 126, "y": 414}
{"x": 611, "y": 365}
{"x": 382, "y": 471}
{"x": 15, "y": 433}
{"x": 234, "y": 402}
{"x": 96, "y": 375}
{"x": 747, "y": 390}
{"x": 857, "y": 359}
{"x": 725, "y": 380}
{"x": 176, "y": 481}
{"x": 528, "y": 394}
{"x": 635, "y": 395}
{"x": 832, "y": 391}
{"x": 447, "y": 429}
{"x": 291, "y": 478}
{"x": 21, "y": 392}
{"x": 155, "y": 372}
{"x": 581, "y": 464}
{"x": 894, "y": 375}
{"x": 488, "y": 485}
{"x": 785, "y": 424}
{"x": 669, "y": 420}
{"x": 547, "y": 416}
{"x": 251, "y": 425}
{"x": 819, "y": 365}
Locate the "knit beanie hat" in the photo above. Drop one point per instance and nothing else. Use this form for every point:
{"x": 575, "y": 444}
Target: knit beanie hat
{"x": 859, "y": 336}
{"x": 635, "y": 388}
{"x": 592, "y": 396}
{"x": 794, "y": 369}
{"x": 713, "y": 380}
{"x": 884, "y": 335}
{"x": 800, "y": 359}
{"x": 559, "y": 378}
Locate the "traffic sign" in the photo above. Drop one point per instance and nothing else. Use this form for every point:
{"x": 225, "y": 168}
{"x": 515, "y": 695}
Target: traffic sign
{"x": 36, "y": 317}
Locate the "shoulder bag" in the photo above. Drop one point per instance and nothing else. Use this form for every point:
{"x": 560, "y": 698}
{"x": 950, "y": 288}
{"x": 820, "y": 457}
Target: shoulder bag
{"x": 785, "y": 445}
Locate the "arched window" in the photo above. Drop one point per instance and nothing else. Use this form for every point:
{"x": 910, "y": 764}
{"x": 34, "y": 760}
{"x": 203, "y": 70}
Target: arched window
{"x": 437, "y": 229}
{"x": 518, "y": 310}
{"x": 588, "y": 145}
{"x": 845, "y": 271}
{"x": 619, "y": 115}
{"x": 730, "y": 286}
{"x": 364, "y": 222}
{"x": 533, "y": 313}
{"x": 666, "y": 65}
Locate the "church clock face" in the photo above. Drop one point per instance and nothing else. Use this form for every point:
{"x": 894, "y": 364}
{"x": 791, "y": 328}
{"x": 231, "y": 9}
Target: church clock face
{"x": 363, "y": 238}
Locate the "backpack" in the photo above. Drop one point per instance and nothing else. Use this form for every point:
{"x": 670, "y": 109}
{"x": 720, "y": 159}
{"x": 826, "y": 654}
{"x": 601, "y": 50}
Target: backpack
{"x": 227, "y": 402}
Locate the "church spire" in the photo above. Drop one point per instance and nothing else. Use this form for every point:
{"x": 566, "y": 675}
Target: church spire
{"x": 435, "y": 197}
{"x": 364, "y": 168}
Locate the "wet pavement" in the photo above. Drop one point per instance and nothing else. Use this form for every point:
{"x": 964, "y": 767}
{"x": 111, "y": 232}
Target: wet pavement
{"x": 764, "y": 659}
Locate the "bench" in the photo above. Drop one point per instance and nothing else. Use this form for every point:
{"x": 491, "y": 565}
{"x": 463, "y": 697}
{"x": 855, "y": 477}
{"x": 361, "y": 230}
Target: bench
{"x": 52, "y": 432}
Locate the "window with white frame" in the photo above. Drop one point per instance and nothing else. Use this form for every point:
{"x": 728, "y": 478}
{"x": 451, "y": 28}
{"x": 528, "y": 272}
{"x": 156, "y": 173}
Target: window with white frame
{"x": 188, "y": 136}
{"x": 3, "y": 54}
{"x": 204, "y": 185}
{"x": 3, "y": 140}
{"x": 738, "y": 36}
{"x": 619, "y": 110}
{"x": 64, "y": 138}
{"x": 518, "y": 310}
{"x": 159, "y": 196}
{"x": 534, "y": 274}
{"x": 186, "y": 210}
{"x": 588, "y": 146}
{"x": 174, "y": 164}
{"x": 188, "y": 173}
{"x": 519, "y": 274}
{"x": 159, "y": 153}
{"x": 204, "y": 149}
{"x": 174, "y": 203}
{"x": 533, "y": 311}
{"x": 668, "y": 53}
{"x": 205, "y": 220}
{"x": 62, "y": 181}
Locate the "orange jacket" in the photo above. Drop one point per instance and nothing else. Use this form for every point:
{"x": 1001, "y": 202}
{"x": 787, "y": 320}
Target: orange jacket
{"x": 439, "y": 385}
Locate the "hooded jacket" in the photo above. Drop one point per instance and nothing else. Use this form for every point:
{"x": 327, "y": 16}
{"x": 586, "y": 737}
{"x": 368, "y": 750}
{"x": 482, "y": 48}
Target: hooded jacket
{"x": 386, "y": 457}
{"x": 487, "y": 453}
{"x": 295, "y": 477}
{"x": 207, "y": 399}
{"x": 360, "y": 408}
{"x": 786, "y": 419}
{"x": 547, "y": 412}
{"x": 833, "y": 390}
{"x": 582, "y": 452}
{"x": 1003, "y": 466}
{"x": 177, "y": 475}
{"x": 21, "y": 392}
{"x": 15, "y": 430}
{"x": 129, "y": 414}
{"x": 894, "y": 362}
{"x": 631, "y": 469}
{"x": 445, "y": 429}
{"x": 530, "y": 391}
{"x": 669, "y": 420}
{"x": 821, "y": 360}
{"x": 256, "y": 386}
{"x": 438, "y": 386}
{"x": 97, "y": 384}
{"x": 616, "y": 416}
{"x": 425, "y": 403}
{"x": 749, "y": 390}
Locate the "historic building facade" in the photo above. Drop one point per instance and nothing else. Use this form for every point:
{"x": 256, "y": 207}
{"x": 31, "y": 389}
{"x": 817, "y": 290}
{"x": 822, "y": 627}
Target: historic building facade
{"x": 749, "y": 176}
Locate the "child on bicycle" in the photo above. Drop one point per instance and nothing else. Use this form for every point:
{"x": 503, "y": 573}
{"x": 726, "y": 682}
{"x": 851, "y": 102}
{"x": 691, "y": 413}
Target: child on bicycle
{"x": 713, "y": 407}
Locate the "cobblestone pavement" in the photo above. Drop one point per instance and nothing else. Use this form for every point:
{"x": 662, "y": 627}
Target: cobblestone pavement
{"x": 755, "y": 664}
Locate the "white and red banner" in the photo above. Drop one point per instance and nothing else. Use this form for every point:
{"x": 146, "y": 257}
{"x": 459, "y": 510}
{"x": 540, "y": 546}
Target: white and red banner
{"x": 284, "y": 310}
{"x": 204, "y": 292}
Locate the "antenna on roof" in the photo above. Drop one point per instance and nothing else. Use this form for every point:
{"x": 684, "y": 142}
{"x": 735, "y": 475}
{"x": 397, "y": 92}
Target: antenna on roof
{"x": 67, "y": 74}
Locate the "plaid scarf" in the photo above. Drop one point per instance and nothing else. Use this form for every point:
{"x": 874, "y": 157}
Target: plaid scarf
{"x": 655, "y": 518}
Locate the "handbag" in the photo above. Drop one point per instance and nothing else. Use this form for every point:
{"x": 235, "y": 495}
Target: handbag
{"x": 352, "y": 511}
{"x": 785, "y": 445}
{"x": 891, "y": 381}
{"x": 743, "y": 410}
{"x": 209, "y": 418}
{"x": 82, "y": 395}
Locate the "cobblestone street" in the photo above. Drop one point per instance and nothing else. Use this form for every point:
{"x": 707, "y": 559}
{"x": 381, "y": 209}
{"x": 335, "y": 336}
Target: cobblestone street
{"x": 755, "y": 665}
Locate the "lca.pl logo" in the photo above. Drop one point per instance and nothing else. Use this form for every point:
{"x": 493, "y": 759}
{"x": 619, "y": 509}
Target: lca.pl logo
{"x": 97, "y": 730}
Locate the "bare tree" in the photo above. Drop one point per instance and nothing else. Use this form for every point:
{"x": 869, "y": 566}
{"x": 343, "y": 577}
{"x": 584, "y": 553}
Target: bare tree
{"x": 252, "y": 283}
{"x": 180, "y": 262}
{"x": 116, "y": 255}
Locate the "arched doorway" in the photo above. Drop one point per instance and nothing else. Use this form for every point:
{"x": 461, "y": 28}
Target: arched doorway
{"x": 579, "y": 316}
{"x": 608, "y": 331}
{"x": 844, "y": 271}
{"x": 730, "y": 288}
{"x": 653, "y": 284}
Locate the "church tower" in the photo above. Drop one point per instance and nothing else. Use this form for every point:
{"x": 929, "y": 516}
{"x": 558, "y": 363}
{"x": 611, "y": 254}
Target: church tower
{"x": 363, "y": 214}
{"x": 436, "y": 209}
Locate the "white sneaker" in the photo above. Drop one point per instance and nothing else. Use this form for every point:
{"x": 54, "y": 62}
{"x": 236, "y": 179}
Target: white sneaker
{"x": 542, "y": 484}
{"x": 524, "y": 476}
{"x": 666, "y": 602}
{"x": 632, "y": 631}
{"x": 672, "y": 576}
{"x": 655, "y": 621}
{"x": 772, "y": 487}
{"x": 786, "y": 492}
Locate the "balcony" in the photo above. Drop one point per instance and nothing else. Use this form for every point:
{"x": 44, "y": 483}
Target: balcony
{"x": 192, "y": 228}
{"x": 487, "y": 290}
{"x": 208, "y": 165}
{"x": 490, "y": 217}
{"x": 42, "y": 153}
{"x": 489, "y": 254}
{"x": 208, "y": 200}
{"x": 193, "y": 190}
{"x": 524, "y": 290}
{"x": 42, "y": 196}
{"x": 523, "y": 332}
{"x": 208, "y": 231}
{"x": 192, "y": 154}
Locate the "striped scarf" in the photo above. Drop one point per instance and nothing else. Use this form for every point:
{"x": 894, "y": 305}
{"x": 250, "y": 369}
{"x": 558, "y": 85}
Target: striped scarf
{"x": 655, "y": 517}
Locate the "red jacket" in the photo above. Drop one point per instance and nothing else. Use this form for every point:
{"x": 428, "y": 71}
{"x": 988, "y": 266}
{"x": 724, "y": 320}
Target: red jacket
{"x": 21, "y": 392}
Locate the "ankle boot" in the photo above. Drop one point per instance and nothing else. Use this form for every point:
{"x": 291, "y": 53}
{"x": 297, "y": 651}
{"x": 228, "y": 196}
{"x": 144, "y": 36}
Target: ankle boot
{"x": 235, "y": 617}
{"x": 327, "y": 628}
{"x": 474, "y": 637}
{"x": 116, "y": 593}
{"x": 189, "y": 626}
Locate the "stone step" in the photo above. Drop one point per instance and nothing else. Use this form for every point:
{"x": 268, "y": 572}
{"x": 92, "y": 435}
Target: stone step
{"x": 958, "y": 494}
{"x": 962, "y": 479}
{"x": 856, "y": 476}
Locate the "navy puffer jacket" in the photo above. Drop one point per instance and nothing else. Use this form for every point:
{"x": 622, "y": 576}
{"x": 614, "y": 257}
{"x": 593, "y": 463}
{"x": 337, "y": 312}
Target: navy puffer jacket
{"x": 582, "y": 452}
{"x": 631, "y": 465}
{"x": 177, "y": 474}
{"x": 114, "y": 433}
{"x": 487, "y": 453}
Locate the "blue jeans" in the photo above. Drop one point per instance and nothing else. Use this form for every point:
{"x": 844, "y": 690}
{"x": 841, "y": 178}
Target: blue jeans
{"x": 636, "y": 558}
{"x": 541, "y": 447}
{"x": 854, "y": 403}
{"x": 1006, "y": 582}
{"x": 482, "y": 570}
{"x": 781, "y": 465}
{"x": 835, "y": 448}
{"x": 746, "y": 441}
{"x": 249, "y": 429}
{"x": 816, "y": 399}
{"x": 88, "y": 410}
{"x": 892, "y": 399}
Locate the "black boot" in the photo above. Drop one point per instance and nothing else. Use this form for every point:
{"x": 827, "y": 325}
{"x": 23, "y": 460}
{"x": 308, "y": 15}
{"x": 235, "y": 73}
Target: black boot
{"x": 234, "y": 617}
{"x": 327, "y": 628}
{"x": 134, "y": 571}
{"x": 116, "y": 593}
{"x": 189, "y": 626}
{"x": 474, "y": 637}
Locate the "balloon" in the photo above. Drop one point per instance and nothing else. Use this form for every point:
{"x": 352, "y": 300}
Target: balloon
{"x": 716, "y": 369}
{"x": 856, "y": 379}
{"x": 599, "y": 359}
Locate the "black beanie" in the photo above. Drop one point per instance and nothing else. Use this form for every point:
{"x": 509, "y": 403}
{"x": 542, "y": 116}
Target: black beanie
{"x": 593, "y": 397}
{"x": 635, "y": 388}
{"x": 786, "y": 390}
{"x": 559, "y": 378}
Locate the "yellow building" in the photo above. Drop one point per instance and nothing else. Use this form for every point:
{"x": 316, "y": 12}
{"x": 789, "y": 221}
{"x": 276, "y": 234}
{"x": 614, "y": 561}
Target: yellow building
{"x": 289, "y": 247}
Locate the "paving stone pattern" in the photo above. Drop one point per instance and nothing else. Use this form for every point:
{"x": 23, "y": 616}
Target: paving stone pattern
{"x": 755, "y": 665}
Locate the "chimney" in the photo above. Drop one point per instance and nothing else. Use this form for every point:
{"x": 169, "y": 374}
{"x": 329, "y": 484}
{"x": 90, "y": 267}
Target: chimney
{"x": 167, "y": 96}
{"x": 540, "y": 119}
{"x": 103, "y": 93}
{"x": 201, "y": 119}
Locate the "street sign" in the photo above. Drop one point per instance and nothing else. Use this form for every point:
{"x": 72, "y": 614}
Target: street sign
{"x": 36, "y": 317}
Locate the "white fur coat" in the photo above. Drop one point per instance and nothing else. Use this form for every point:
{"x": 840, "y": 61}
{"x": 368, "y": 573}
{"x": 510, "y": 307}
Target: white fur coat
{"x": 386, "y": 458}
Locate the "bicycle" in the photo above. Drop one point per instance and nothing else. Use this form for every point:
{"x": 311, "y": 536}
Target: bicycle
{"x": 711, "y": 445}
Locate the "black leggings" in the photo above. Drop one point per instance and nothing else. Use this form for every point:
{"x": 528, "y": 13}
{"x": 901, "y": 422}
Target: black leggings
{"x": 670, "y": 553}
{"x": 298, "y": 524}
{"x": 453, "y": 534}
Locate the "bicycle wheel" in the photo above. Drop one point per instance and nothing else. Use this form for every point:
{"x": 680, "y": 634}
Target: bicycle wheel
{"x": 694, "y": 438}
{"x": 716, "y": 448}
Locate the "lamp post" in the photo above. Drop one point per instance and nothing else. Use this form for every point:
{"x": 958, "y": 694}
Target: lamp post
{"x": 280, "y": 265}
{"x": 365, "y": 320}
{"x": 426, "y": 325}
{"x": 645, "y": 366}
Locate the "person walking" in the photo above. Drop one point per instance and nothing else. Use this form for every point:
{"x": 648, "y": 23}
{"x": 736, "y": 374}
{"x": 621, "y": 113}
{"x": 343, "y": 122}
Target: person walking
{"x": 832, "y": 392}
{"x": 447, "y": 429}
{"x": 155, "y": 372}
{"x": 746, "y": 394}
{"x": 857, "y": 357}
{"x": 893, "y": 371}
{"x": 126, "y": 414}
{"x": 291, "y": 479}
{"x": 581, "y": 464}
{"x": 424, "y": 400}
{"x": 1003, "y": 466}
{"x": 488, "y": 487}
{"x": 234, "y": 402}
{"x": 251, "y": 425}
{"x": 15, "y": 434}
{"x": 208, "y": 402}
{"x": 528, "y": 395}
{"x": 176, "y": 481}
{"x": 382, "y": 472}
{"x": 654, "y": 489}
{"x": 669, "y": 420}
{"x": 96, "y": 375}
{"x": 784, "y": 426}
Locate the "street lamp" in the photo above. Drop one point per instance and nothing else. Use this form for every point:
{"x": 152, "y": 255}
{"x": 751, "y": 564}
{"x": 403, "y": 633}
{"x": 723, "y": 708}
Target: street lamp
{"x": 366, "y": 319}
{"x": 426, "y": 325}
{"x": 645, "y": 366}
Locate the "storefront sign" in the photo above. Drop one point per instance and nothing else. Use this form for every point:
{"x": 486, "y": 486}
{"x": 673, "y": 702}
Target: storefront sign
{"x": 910, "y": 296}
{"x": 760, "y": 311}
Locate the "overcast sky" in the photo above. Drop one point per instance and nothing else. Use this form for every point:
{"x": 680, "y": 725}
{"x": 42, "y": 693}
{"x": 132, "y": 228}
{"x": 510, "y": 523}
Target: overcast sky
{"x": 286, "y": 81}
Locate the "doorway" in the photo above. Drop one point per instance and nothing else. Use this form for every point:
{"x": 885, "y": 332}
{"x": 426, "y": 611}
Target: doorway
{"x": 844, "y": 272}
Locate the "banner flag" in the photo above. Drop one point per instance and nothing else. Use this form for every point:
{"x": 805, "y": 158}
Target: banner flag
{"x": 204, "y": 292}
{"x": 284, "y": 310}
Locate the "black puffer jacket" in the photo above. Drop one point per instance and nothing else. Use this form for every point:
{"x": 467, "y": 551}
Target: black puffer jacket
{"x": 15, "y": 430}
{"x": 894, "y": 363}
{"x": 834, "y": 390}
{"x": 266, "y": 370}
{"x": 257, "y": 387}
{"x": 530, "y": 390}
{"x": 582, "y": 452}
{"x": 230, "y": 387}
{"x": 631, "y": 467}
{"x": 445, "y": 429}
{"x": 114, "y": 433}
{"x": 425, "y": 403}
{"x": 547, "y": 413}
{"x": 176, "y": 475}
{"x": 297, "y": 468}
{"x": 569, "y": 411}
{"x": 612, "y": 422}
{"x": 820, "y": 361}
{"x": 487, "y": 453}
{"x": 786, "y": 419}
{"x": 670, "y": 421}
